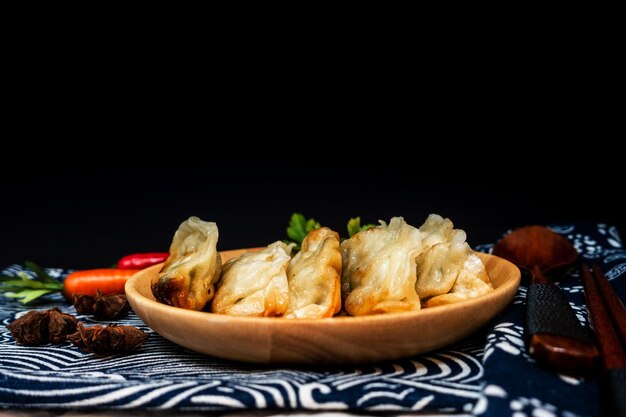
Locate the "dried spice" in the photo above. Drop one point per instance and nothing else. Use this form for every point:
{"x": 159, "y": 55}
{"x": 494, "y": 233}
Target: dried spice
{"x": 31, "y": 328}
{"x": 107, "y": 340}
{"x": 110, "y": 307}
{"x": 60, "y": 325}
{"x": 41, "y": 327}
{"x": 103, "y": 307}
{"x": 83, "y": 303}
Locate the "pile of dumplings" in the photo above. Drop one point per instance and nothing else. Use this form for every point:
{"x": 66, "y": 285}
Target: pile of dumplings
{"x": 389, "y": 268}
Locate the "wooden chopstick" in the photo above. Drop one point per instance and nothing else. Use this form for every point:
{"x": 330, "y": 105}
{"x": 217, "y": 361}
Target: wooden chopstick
{"x": 611, "y": 349}
{"x": 610, "y": 346}
{"x": 614, "y": 305}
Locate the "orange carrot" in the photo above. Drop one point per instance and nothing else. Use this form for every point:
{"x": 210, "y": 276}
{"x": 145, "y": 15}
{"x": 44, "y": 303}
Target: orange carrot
{"x": 109, "y": 281}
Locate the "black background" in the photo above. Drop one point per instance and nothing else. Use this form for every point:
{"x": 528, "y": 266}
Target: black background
{"x": 106, "y": 152}
{"x": 81, "y": 215}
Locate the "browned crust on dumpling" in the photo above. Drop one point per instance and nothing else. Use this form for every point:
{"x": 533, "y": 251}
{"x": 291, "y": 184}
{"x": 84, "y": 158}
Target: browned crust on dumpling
{"x": 172, "y": 291}
{"x": 379, "y": 269}
{"x": 187, "y": 279}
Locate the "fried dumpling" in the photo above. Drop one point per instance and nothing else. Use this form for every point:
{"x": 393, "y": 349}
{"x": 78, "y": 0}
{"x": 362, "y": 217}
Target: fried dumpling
{"x": 471, "y": 282}
{"x": 188, "y": 276}
{"x": 448, "y": 265}
{"x": 439, "y": 265}
{"x": 314, "y": 276}
{"x": 436, "y": 230}
{"x": 255, "y": 284}
{"x": 379, "y": 269}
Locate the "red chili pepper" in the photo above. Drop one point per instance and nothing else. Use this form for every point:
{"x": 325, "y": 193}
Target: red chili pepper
{"x": 142, "y": 260}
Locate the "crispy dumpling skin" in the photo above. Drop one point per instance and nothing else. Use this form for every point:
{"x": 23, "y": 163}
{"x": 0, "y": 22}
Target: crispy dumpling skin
{"x": 187, "y": 279}
{"x": 439, "y": 266}
{"x": 471, "y": 282}
{"x": 255, "y": 284}
{"x": 436, "y": 230}
{"x": 447, "y": 269}
{"x": 379, "y": 269}
{"x": 314, "y": 276}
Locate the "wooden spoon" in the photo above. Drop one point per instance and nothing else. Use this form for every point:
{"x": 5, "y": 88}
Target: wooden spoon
{"x": 554, "y": 336}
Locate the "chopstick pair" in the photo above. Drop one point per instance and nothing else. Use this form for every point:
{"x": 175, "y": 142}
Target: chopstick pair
{"x": 608, "y": 319}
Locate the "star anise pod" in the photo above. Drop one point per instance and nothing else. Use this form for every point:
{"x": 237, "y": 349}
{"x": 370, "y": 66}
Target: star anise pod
{"x": 31, "y": 328}
{"x": 40, "y": 327}
{"x": 107, "y": 340}
{"x": 60, "y": 325}
{"x": 103, "y": 307}
{"x": 83, "y": 303}
{"x": 110, "y": 307}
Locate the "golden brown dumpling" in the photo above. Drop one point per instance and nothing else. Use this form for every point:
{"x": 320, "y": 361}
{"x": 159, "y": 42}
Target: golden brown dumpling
{"x": 314, "y": 276}
{"x": 439, "y": 266}
{"x": 447, "y": 269}
{"x": 255, "y": 284}
{"x": 188, "y": 276}
{"x": 379, "y": 269}
{"x": 471, "y": 282}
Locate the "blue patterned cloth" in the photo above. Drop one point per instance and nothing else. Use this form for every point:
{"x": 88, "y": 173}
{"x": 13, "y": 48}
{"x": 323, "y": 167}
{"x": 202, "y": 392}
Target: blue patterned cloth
{"x": 488, "y": 374}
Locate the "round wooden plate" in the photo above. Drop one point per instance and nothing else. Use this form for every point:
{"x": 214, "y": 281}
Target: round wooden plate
{"x": 337, "y": 340}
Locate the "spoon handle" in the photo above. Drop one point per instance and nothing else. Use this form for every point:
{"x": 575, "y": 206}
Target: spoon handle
{"x": 554, "y": 336}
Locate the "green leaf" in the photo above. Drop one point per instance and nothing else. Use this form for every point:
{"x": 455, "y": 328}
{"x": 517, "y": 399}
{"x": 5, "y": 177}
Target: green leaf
{"x": 299, "y": 227}
{"x": 27, "y": 289}
{"x": 57, "y": 286}
{"x": 33, "y": 294}
{"x": 311, "y": 224}
{"x": 18, "y": 294}
{"x": 42, "y": 276}
{"x": 29, "y": 284}
{"x": 294, "y": 235}
{"x": 16, "y": 282}
{"x": 26, "y": 279}
{"x": 11, "y": 288}
{"x": 354, "y": 226}
{"x": 26, "y": 296}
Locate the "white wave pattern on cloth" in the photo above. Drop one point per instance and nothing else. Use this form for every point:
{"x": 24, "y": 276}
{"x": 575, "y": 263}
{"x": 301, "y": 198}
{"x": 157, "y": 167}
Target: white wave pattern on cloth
{"x": 193, "y": 385}
{"x": 616, "y": 271}
{"x": 162, "y": 375}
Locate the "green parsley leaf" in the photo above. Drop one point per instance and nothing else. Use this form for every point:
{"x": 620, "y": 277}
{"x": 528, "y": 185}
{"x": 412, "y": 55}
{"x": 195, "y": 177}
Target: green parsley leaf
{"x": 354, "y": 226}
{"x": 299, "y": 227}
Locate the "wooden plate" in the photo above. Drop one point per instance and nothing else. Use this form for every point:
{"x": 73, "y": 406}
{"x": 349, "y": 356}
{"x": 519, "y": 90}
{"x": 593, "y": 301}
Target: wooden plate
{"x": 337, "y": 340}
